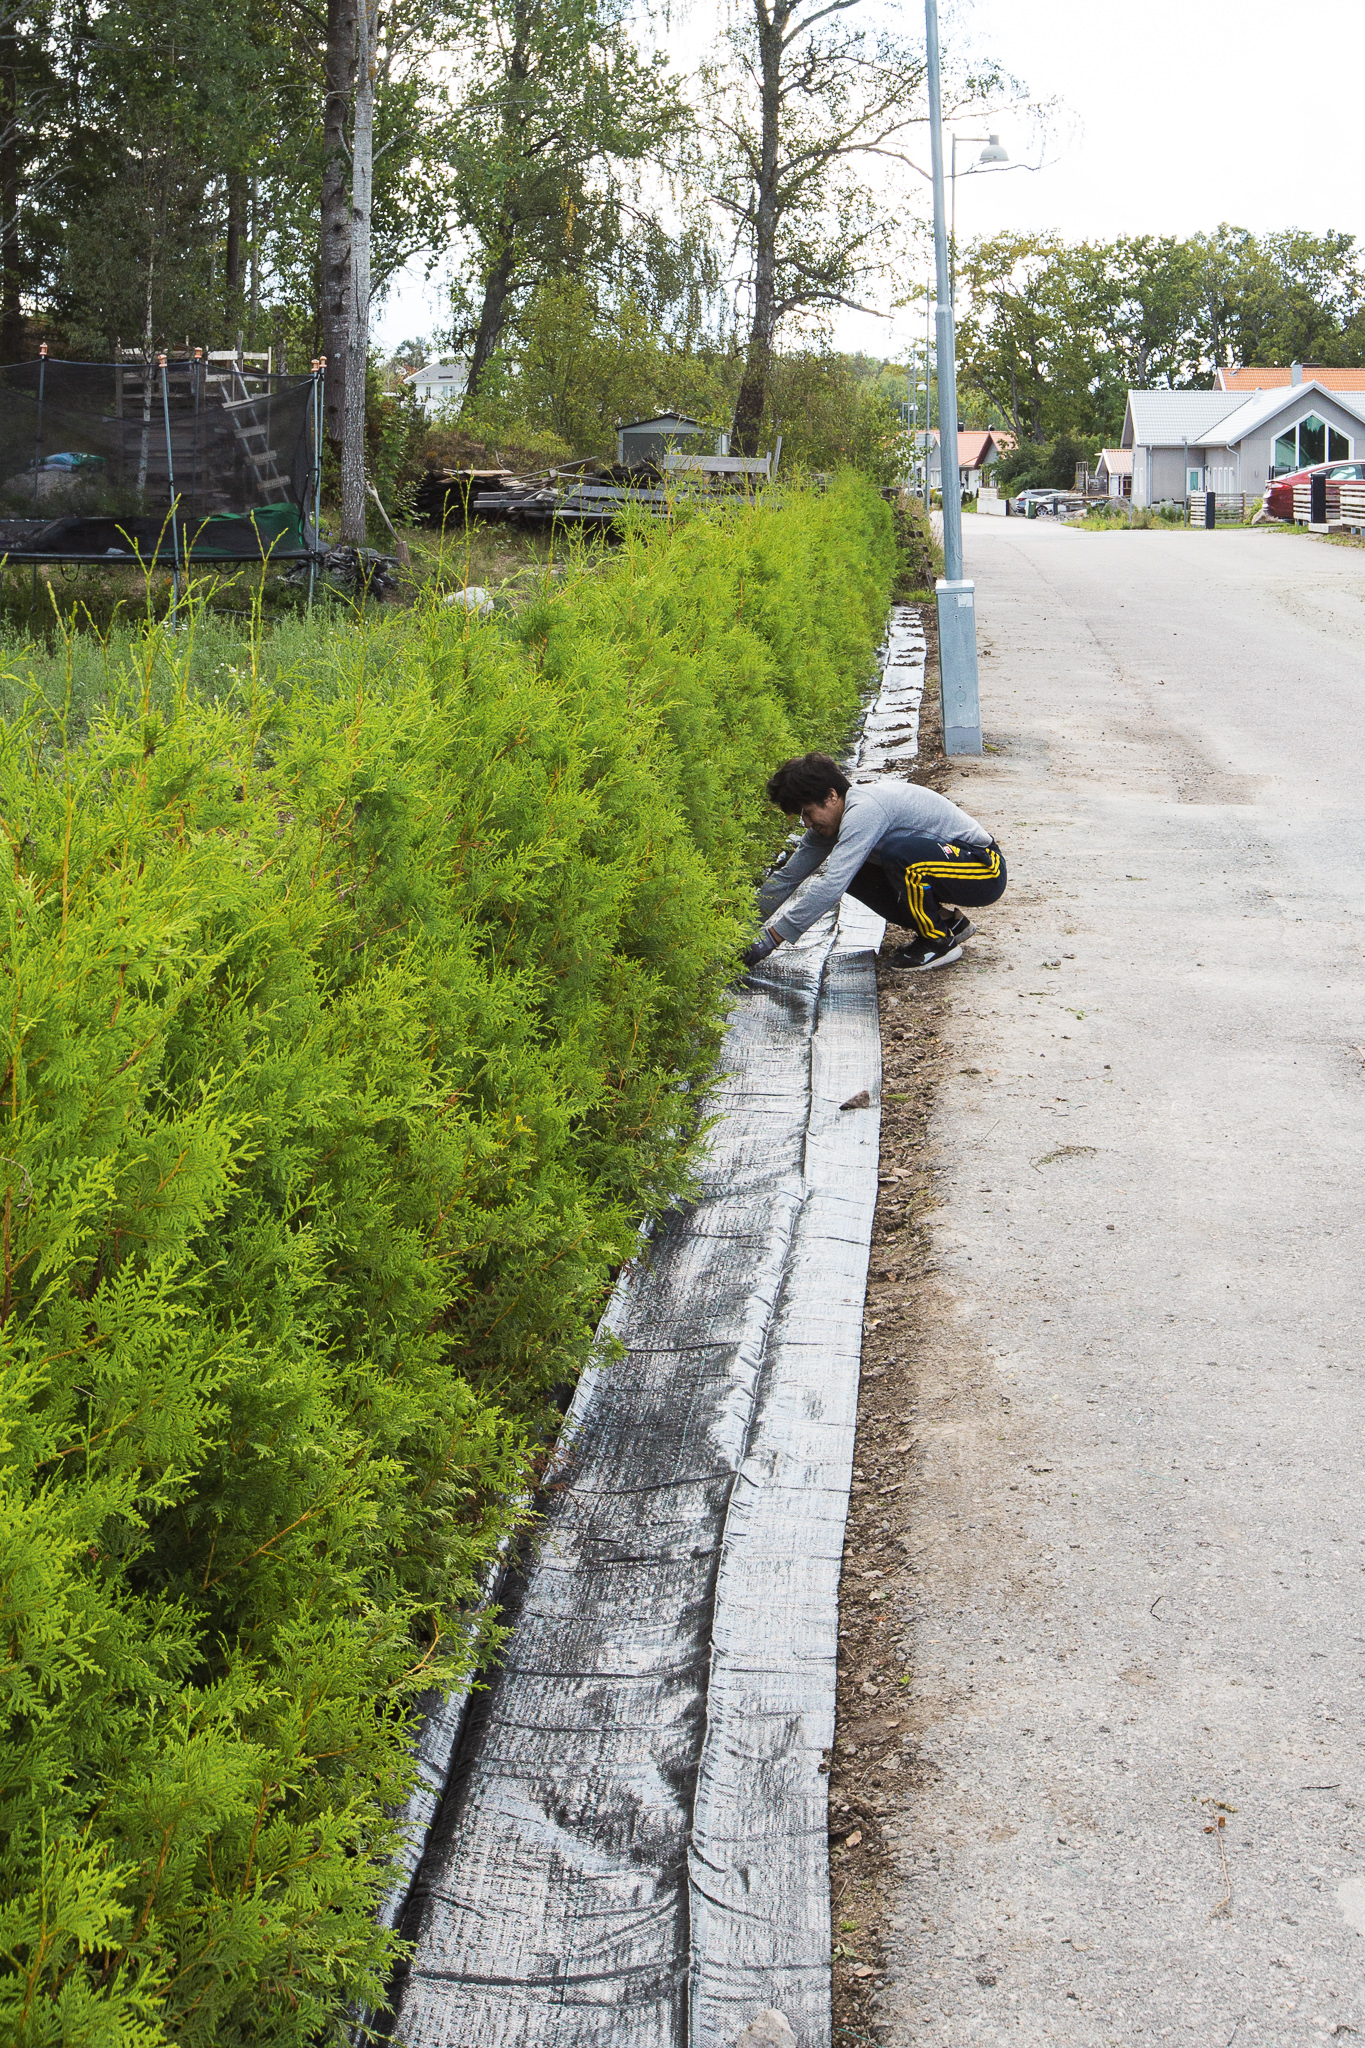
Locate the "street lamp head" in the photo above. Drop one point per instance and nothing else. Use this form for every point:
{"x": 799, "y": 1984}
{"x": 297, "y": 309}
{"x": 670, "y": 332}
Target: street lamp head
{"x": 993, "y": 153}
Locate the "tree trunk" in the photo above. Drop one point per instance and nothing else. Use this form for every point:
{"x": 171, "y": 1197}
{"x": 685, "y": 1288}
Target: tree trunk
{"x": 493, "y": 313}
{"x": 753, "y": 390}
{"x": 354, "y": 520}
{"x": 11, "y": 307}
{"x": 498, "y": 283}
{"x": 253, "y": 268}
{"x": 232, "y": 255}
{"x": 334, "y": 231}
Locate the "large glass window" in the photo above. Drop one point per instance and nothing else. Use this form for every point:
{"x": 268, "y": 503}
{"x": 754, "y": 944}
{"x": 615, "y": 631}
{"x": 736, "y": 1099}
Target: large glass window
{"x": 1311, "y": 441}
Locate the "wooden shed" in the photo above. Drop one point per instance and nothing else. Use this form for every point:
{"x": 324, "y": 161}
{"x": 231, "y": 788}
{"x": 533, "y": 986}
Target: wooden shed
{"x": 649, "y": 440}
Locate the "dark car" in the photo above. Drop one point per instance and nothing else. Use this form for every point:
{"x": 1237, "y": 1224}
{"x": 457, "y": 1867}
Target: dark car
{"x": 1277, "y": 500}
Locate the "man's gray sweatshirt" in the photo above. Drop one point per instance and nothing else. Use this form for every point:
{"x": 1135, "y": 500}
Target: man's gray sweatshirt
{"x": 880, "y": 822}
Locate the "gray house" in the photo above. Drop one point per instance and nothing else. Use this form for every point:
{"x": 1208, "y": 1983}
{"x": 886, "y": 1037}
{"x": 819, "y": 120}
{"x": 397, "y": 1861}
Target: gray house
{"x": 1185, "y": 442}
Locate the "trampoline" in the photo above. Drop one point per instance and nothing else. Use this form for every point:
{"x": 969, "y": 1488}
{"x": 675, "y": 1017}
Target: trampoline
{"x": 167, "y": 463}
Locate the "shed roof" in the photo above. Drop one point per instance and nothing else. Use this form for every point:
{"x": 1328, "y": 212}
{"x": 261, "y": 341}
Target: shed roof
{"x": 1271, "y": 376}
{"x": 1166, "y": 419}
{"x": 1263, "y": 406}
{"x": 1118, "y": 461}
{"x": 662, "y": 420}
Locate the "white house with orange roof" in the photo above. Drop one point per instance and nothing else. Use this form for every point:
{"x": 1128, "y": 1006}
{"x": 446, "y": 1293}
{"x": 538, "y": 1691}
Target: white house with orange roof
{"x": 978, "y": 451}
{"x": 1114, "y": 471}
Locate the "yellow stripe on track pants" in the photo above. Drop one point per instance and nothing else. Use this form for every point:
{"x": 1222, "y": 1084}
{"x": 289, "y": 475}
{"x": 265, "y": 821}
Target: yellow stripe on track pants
{"x": 922, "y": 874}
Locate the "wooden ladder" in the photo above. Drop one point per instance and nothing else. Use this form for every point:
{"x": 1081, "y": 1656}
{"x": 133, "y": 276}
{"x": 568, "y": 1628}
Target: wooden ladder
{"x": 253, "y": 435}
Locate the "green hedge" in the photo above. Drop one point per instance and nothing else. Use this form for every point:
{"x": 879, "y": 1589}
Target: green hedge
{"x": 351, "y": 1023}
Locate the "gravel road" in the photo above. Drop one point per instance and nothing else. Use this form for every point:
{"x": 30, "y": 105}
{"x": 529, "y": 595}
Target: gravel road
{"x": 1132, "y": 1620}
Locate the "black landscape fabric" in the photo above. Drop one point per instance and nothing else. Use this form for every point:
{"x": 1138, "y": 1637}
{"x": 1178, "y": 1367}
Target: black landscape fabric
{"x": 200, "y": 461}
{"x": 632, "y": 1848}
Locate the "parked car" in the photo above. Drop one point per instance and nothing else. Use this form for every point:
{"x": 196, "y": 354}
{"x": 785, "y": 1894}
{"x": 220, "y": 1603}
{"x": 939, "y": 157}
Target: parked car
{"x": 1277, "y": 499}
{"x": 1046, "y": 504}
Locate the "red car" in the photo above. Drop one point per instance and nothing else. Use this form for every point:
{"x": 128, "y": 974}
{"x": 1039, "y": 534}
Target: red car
{"x": 1277, "y": 500}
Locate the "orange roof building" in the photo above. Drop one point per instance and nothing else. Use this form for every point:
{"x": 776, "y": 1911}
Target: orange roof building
{"x": 1274, "y": 376}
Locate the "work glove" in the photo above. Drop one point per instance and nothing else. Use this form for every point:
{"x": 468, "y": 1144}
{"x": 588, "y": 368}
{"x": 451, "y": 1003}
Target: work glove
{"x": 764, "y": 944}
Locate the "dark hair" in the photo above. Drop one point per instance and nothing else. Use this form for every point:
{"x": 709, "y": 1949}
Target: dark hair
{"x": 807, "y": 779}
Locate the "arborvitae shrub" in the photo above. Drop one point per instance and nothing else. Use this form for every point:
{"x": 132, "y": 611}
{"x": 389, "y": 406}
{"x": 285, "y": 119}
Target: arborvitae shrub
{"x": 351, "y": 1023}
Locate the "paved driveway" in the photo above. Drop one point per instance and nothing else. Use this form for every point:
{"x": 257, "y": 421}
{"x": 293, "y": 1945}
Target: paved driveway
{"x": 1138, "y": 1642}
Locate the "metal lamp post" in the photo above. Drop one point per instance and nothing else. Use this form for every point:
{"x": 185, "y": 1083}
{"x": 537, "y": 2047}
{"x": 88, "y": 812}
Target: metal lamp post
{"x": 956, "y": 596}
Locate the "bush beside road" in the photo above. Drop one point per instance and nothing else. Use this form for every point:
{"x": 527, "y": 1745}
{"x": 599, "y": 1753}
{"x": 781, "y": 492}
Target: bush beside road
{"x": 363, "y": 994}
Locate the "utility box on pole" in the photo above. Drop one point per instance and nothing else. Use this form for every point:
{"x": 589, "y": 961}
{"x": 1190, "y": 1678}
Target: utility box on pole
{"x": 957, "y": 682}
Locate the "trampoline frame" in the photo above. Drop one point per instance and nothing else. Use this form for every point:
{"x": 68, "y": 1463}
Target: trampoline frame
{"x": 182, "y": 539}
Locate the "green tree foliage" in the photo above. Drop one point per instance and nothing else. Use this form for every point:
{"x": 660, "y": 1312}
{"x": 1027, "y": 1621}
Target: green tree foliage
{"x": 1039, "y": 466}
{"x": 355, "y": 1015}
{"x": 829, "y": 410}
{"x": 32, "y": 105}
{"x": 170, "y": 97}
{"x": 1014, "y": 336}
{"x": 574, "y": 369}
{"x": 559, "y": 100}
{"x": 178, "y": 153}
{"x": 574, "y": 372}
{"x": 808, "y": 118}
{"x": 1054, "y": 334}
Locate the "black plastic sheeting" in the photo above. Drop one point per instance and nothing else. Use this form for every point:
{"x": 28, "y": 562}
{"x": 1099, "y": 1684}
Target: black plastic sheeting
{"x": 632, "y": 1850}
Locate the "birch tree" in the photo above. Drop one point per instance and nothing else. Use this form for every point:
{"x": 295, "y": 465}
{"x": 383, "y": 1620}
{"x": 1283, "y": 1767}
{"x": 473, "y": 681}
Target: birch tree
{"x": 810, "y": 129}
{"x": 353, "y": 513}
{"x": 410, "y": 175}
{"x": 555, "y": 101}
{"x": 339, "y": 65}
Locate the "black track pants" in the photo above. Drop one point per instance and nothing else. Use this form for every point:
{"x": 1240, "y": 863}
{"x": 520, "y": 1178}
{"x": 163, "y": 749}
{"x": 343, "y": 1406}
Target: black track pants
{"x": 934, "y": 874}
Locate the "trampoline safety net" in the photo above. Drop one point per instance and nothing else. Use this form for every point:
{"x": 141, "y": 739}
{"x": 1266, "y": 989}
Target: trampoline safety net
{"x": 182, "y": 463}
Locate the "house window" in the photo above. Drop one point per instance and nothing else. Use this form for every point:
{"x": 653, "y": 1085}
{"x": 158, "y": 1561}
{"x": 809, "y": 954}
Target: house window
{"x": 1311, "y": 441}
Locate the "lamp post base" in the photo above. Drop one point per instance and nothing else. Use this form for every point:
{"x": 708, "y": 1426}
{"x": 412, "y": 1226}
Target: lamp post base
{"x": 959, "y": 698}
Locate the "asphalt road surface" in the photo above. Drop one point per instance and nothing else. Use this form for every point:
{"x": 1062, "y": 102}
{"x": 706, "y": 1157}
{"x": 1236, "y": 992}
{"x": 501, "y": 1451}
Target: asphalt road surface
{"x": 1138, "y": 1624}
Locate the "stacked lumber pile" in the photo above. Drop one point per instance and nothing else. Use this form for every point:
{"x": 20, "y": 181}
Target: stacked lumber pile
{"x": 444, "y": 494}
{"x": 584, "y": 493}
{"x": 580, "y": 499}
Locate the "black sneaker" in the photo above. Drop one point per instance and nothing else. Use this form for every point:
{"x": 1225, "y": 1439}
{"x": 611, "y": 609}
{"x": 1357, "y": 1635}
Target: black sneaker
{"x": 961, "y": 928}
{"x": 926, "y": 953}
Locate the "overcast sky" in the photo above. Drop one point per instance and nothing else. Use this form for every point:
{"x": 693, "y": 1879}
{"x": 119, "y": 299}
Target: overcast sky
{"x": 1173, "y": 115}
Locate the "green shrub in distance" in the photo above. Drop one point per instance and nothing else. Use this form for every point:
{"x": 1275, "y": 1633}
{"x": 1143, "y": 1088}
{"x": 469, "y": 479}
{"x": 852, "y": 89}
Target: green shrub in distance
{"x": 360, "y": 997}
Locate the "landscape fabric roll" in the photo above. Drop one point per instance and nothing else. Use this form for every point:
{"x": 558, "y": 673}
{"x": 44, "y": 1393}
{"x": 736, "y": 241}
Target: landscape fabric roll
{"x": 631, "y": 1850}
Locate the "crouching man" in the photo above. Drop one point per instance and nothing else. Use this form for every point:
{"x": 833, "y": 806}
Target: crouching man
{"x": 904, "y": 851}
